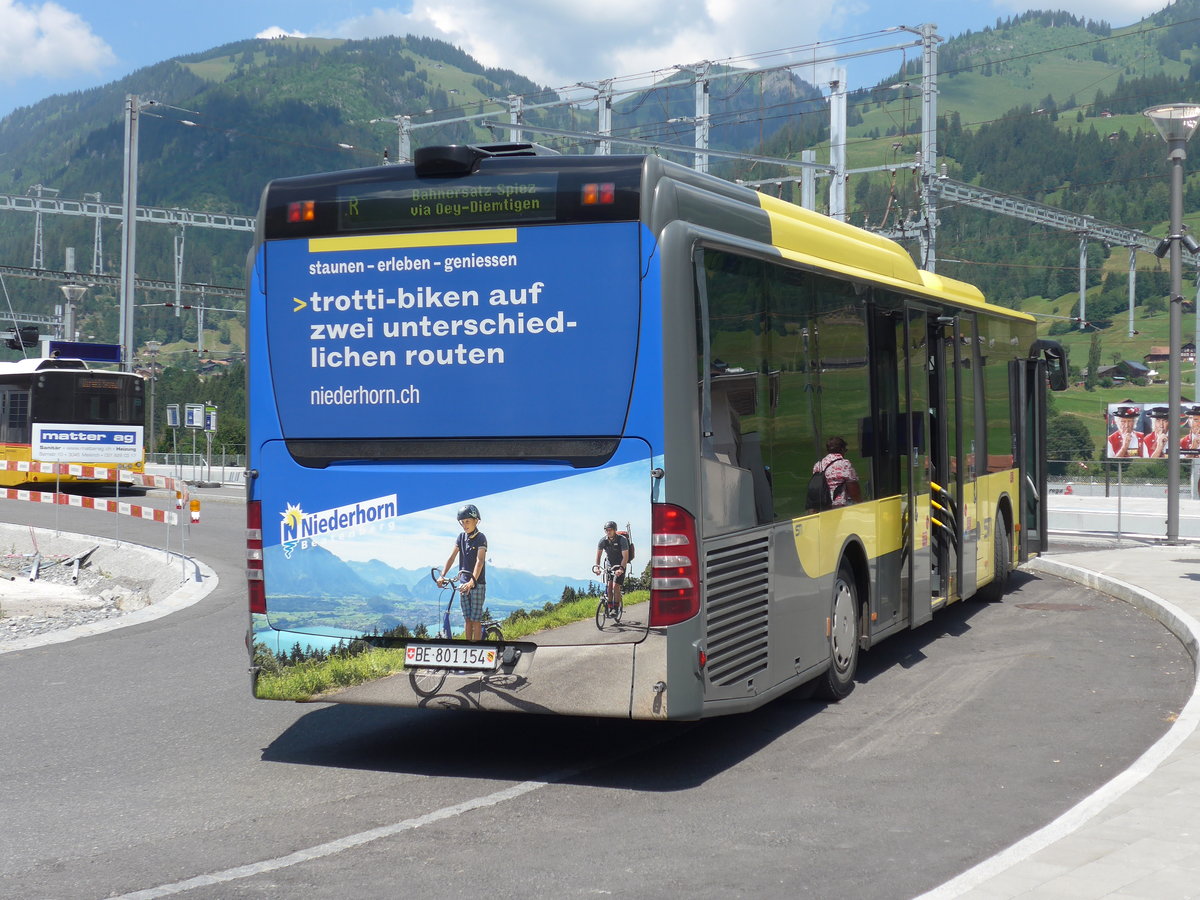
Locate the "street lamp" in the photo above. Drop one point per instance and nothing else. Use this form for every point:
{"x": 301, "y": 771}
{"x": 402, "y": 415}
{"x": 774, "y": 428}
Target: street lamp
{"x": 72, "y": 292}
{"x": 133, "y": 109}
{"x": 1175, "y": 122}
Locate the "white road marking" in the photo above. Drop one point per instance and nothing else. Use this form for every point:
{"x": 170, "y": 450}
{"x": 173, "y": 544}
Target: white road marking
{"x": 345, "y": 843}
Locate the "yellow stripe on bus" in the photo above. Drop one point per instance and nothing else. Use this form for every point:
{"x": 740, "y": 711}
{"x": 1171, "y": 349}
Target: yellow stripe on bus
{"x": 406, "y": 241}
{"x": 876, "y": 523}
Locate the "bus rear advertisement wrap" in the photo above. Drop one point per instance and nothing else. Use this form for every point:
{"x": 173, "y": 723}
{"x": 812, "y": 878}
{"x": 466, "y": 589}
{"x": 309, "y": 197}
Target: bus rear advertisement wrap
{"x": 443, "y": 371}
{"x": 496, "y": 332}
{"x": 357, "y": 561}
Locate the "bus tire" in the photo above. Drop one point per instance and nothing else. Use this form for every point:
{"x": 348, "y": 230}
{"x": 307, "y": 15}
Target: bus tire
{"x": 838, "y": 680}
{"x": 993, "y": 591}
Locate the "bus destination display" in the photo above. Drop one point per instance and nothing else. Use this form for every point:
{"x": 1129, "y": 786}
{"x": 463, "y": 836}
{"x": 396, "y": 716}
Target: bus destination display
{"x": 482, "y": 200}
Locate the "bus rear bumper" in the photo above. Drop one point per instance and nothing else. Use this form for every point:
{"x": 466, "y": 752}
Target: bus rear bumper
{"x": 611, "y": 680}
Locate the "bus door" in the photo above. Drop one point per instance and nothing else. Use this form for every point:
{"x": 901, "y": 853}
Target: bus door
{"x": 914, "y": 487}
{"x": 945, "y": 452}
{"x": 1029, "y": 443}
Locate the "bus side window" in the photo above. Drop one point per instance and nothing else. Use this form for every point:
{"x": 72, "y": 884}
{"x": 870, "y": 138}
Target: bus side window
{"x": 16, "y": 417}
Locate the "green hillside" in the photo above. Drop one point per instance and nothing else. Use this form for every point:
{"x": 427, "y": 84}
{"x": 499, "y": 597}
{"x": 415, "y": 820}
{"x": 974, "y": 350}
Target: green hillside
{"x": 1044, "y": 106}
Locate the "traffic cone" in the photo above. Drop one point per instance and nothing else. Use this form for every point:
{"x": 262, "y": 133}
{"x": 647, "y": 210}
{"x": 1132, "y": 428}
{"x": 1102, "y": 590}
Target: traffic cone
{"x": 195, "y": 507}
{"x": 179, "y": 499}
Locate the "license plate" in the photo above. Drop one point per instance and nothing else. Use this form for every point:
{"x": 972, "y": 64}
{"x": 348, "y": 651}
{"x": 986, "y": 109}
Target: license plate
{"x": 451, "y": 656}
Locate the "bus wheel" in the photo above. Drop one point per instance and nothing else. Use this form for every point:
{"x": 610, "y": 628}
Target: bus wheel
{"x": 838, "y": 681}
{"x": 993, "y": 592}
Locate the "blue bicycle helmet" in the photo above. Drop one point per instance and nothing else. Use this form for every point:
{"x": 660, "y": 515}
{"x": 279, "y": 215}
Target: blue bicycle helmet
{"x": 470, "y": 511}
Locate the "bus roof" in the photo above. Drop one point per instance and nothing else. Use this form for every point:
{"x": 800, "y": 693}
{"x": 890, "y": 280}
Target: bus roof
{"x": 644, "y": 187}
{"x": 39, "y": 364}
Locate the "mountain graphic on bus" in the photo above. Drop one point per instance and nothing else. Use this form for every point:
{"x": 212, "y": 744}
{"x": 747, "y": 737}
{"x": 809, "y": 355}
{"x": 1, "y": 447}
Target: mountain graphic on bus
{"x": 317, "y": 589}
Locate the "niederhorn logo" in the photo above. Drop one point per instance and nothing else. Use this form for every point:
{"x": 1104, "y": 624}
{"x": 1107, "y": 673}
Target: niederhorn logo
{"x": 298, "y": 528}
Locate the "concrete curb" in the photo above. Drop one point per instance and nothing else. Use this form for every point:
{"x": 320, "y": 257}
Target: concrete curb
{"x": 198, "y": 581}
{"x": 1187, "y": 629}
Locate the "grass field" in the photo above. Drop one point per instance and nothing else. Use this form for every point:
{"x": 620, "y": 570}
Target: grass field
{"x": 311, "y": 678}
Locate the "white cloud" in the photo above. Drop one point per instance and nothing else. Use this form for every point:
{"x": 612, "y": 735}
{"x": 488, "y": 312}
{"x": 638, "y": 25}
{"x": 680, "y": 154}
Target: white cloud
{"x": 45, "y": 40}
{"x": 276, "y": 32}
{"x": 557, "y": 43}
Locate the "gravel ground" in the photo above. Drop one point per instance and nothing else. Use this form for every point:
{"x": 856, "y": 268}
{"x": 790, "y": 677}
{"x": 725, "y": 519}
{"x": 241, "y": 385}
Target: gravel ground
{"x": 116, "y": 578}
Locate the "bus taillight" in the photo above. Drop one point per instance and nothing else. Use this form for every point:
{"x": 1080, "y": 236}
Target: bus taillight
{"x": 254, "y": 558}
{"x": 602, "y": 193}
{"x": 675, "y": 566}
{"x": 302, "y": 211}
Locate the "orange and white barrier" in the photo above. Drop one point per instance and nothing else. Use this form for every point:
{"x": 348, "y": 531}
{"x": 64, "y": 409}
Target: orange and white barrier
{"x": 104, "y": 505}
{"x": 98, "y": 473}
{"x": 102, "y": 474}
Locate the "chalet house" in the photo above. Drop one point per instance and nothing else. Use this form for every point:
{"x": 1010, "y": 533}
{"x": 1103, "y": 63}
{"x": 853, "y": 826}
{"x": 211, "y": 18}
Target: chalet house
{"x": 1125, "y": 370}
{"x": 1160, "y": 356}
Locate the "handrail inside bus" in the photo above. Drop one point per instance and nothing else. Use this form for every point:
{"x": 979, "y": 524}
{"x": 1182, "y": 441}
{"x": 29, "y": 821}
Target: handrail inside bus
{"x": 579, "y": 453}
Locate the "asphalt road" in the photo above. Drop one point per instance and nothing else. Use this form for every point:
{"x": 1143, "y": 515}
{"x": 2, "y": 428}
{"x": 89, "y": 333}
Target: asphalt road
{"x": 136, "y": 763}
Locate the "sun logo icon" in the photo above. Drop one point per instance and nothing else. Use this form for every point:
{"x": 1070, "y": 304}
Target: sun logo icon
{"x": 292, "y": 517}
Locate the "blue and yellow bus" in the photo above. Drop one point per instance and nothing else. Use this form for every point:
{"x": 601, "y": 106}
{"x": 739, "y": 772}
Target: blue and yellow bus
{"x": 556, "y": 343}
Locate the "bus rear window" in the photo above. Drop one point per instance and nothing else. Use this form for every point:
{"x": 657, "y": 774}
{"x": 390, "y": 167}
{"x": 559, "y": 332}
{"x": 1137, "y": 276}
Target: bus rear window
{"x": 486, "y": 333}
{"x": 87, "y": 399}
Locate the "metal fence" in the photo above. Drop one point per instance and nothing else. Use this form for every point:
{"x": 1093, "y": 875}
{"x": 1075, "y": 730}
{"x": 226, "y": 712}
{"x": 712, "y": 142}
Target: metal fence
{"x": 226, "y": 468}
{"x": 1129, "y": 478}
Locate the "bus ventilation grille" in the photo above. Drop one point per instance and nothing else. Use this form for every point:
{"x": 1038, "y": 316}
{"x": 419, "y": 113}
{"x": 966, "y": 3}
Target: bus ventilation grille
{"x": 737, "y": 590}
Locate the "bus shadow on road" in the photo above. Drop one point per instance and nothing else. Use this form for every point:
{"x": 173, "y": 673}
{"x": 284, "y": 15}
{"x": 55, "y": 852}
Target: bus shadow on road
{"x": 614, "y": 753}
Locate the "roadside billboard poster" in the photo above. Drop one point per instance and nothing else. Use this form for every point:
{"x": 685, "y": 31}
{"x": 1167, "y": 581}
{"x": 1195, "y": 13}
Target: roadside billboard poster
{"x": 1140, "y": 430}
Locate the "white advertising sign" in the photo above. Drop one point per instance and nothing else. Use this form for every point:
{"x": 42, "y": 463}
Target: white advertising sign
{"x": 92, "y": 444}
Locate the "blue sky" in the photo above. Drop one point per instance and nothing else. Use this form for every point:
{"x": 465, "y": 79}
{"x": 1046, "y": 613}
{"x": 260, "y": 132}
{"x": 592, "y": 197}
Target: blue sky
{"x": 67, "y": 45}
{"x": 547, "y": 529}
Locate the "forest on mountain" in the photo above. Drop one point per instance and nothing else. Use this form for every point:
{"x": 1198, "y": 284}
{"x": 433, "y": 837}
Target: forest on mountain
{"x": 1044, "y": 106}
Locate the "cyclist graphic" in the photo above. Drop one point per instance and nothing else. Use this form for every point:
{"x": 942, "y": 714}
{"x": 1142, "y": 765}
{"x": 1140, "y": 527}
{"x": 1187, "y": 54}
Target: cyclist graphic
{"x": 470, "y": 548}
{"x": 614, "y": 548}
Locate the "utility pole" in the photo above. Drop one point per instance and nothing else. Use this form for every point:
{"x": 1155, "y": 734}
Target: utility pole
{"x": 929, "y": 150}
{"x": 1083, "y": 282}
{"x": 179, "y": 241}
{"x": 133, "y": 108}
{"x": 516, "y": 106}
{"x": 837, "y": 143}
{"x": 702, "y": 96}
{"x": 39, "y": 254}
{"x": 604, "y": 109}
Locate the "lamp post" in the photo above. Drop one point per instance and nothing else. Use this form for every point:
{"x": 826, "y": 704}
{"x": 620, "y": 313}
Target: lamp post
{"x": 133, "y": 108}
{"x": 152, "y": 348}
{"x": 1175, "y": 122}
{"x": 72, "y": 292}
